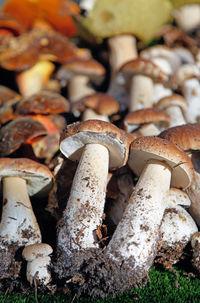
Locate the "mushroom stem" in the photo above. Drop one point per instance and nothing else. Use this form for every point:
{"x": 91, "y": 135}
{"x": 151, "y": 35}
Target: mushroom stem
{"x": 176, "y": 115}
{"x": 18, "y": 224}
{"x": 141, "y": 92}
{"x": 85, "y": 206}
{"x": 89, "y": 114}
{"x": 149, "y": 130}
{"x": 122, "y": 49}
{"x": 78, "y": 87}
{"x": 135, "y": 239}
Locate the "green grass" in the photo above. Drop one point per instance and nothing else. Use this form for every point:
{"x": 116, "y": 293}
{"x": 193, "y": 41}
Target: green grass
{"x": 165, "y": 286}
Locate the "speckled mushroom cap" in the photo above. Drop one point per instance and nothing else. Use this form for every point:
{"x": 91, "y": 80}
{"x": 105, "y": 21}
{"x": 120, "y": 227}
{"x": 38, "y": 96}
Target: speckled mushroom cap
{"x": 101, "y": 103}
{"x": 34, "y": 251}
{"x": 144, "y": 67}
{"x": 172, "y": 100}
{"x": 78, "y": 134}
{"x": 90, "y": 68}
{"x": 38, "y": 177}
{"x": 44, "y": 102}
{"x": 155, "y": 148}
{"x": 186, "y": 136}
{"x": 146, "y": 115}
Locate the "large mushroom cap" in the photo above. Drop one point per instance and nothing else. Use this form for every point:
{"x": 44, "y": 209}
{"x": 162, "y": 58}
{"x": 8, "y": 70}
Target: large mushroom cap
{"x": 149, "y": 148}
{"x": 44, "y": 102}
{"x": 78, "y": 134}
{"x": 38, "y": 177}
{"x": 186, "y": 136}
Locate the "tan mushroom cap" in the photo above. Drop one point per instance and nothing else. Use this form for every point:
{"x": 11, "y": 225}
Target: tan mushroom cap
{"x": 186, "y": 136}
{"x": 146, "y": 115}
{"x": 144, "y": 67}
{"x": 144, "y": 149}
{"x": 38, "y": 177}
{"x": 101, "y": 103}
{"x": 34, "y": 251}
{"x": 44, "y": 102}
{"x": 172, "y": 100}
{"x": 90, "y": 68}
{"x": 78, "y": 134}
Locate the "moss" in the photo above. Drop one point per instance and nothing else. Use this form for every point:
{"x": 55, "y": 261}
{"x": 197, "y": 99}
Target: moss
{"x": 165, "y": 286}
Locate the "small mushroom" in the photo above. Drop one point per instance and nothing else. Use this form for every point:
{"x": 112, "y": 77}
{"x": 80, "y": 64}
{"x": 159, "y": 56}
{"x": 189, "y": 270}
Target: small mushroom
{"x": 38, "y": 263}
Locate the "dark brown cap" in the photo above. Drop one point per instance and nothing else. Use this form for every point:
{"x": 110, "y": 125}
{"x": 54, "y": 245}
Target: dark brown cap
{"x": 155, "y": 148}
{"x": 78, "y": 134}
{"x": 17, "y": 132}
{"x": 44, "y": 102}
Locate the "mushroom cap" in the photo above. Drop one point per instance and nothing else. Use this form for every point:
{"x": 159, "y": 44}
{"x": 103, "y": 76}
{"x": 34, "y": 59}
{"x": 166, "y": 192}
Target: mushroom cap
{"x": 155, "y": 148}
{"x": 186, "y": 136}
{"x": 183, "y": 73}
{"x": 17, "y": 132}
{"x": 90, "y": 68}
{"x": 162, "y": 51}
{"x": 101, "y": 103}
{"x": 78, "y": 134}
{"x": 12, "y": 24}
{"x": 146, "y": 115}
{"x": 144, "y": 67}
{"x": 44, "y": 102}
{"x": 172, "y": 100}
{"x": 38, "y": 177}
{"x": 37, "y": 250}
{"x": 7, "y": 94}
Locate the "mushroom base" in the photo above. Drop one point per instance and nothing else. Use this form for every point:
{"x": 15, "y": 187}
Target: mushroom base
{"x": 169, "y": 255}
{"x": 90, "y": 272}
{"x": 196, "y": 257}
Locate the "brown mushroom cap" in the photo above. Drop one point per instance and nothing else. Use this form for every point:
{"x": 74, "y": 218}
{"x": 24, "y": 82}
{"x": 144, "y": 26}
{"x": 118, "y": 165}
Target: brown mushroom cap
{"x": 36, "y": 250}
{"x": 6, "y": 94}
{"x": 24, "y": 51}
{"x": 143, "y": 67}
{"x": 78, "y": 134}
{"x": 90, "y": 68}
{"x": 44, "y": 102}
{"x": 172, "y": 100}
{"x": 148, "y": 148}
{"x": 146, "y": 115}
{"x": 17, "y": 132}
{"x": 186, "y": 136}
{"x": 12, "y": 24}
{"x": 102, "y": 104}
{"x": 38, "y": 177}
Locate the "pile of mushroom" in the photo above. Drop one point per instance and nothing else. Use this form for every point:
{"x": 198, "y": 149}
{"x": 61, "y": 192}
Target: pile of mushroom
{"x": 99, "y": 143}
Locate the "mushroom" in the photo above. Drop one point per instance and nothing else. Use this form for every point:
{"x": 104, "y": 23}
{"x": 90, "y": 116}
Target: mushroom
{"x": 38, "y": 263}
{"x": 18, "y": 132}
{"x": 77, "y": 74}
{"x": 135, "y": 240}
{"x": 152, "y": 120}
{"x": 141, "y": 74}
{"x": 195, "y": 243}
{"x": 98, "y": 145}
{"x": 187, "y": 17}
{"x": 176, "y": 107}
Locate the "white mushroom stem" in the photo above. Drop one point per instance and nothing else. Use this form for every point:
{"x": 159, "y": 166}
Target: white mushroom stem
{"x": 123, "y": 48}
{"x": 141, "y": 92}
{"x": 136, "y": 236}
{"x": 78, "y": 87}
{"x": 160, "y": 92}
{"x": 38, "y": 269}
{"x": 191, "y": 92}
{"x": 18, "y": 223}
{"x": 85, "y": 206}
{"x": 149, "y": 130}
{"x": 89, "y": 114}
{"x": 176, "y": 115}
{"x": 193, "y": 192}
{"x": 187, "y": 17}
